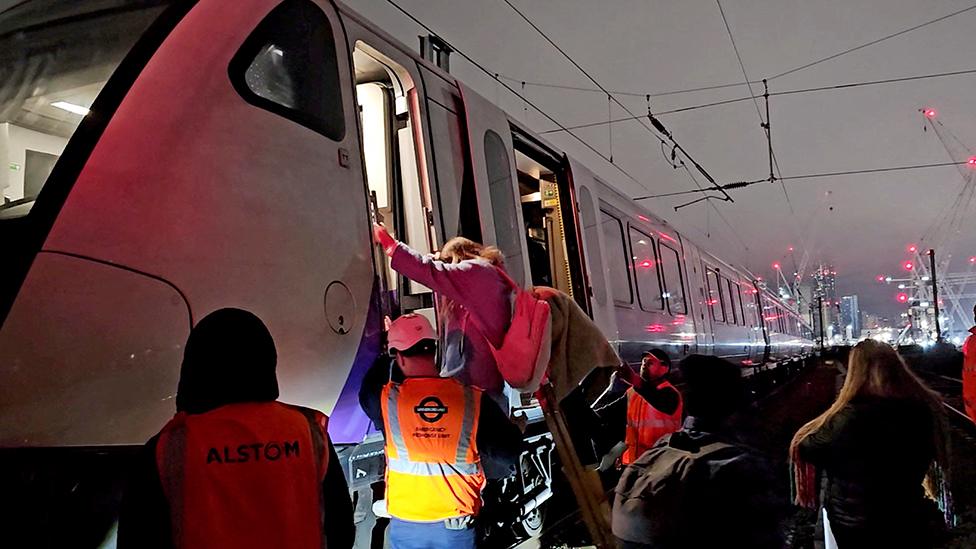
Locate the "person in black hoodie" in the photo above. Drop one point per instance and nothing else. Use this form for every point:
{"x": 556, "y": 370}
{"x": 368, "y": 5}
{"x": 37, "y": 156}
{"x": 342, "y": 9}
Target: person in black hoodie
{"x": 883, "y": 436}
{"x": 235, "y": 467}
{"x": 700, "y": 487}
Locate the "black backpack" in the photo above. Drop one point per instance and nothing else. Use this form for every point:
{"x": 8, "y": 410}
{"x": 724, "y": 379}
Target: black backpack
{"x": 664, "y": 496}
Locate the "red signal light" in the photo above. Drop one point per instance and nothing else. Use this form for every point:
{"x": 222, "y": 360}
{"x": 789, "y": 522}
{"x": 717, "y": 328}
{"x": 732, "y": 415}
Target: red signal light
{"x": 912, "y": 248}
{"x": 776, "y": 266}
{"x": 908, "y": 265}
{"x": 879, "y": 278}
{"x": 972, "y": 161}
{"x": 647, "y": 263}
{"x": 902, "y": 298}
{"x": 790, "y": 249}
{"x": 972, "y": 259}
{"x": 929, "y": 113}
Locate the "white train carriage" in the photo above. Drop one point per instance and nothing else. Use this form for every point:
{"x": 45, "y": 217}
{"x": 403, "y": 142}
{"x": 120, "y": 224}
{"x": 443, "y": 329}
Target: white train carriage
{"x": 162, "y": 159}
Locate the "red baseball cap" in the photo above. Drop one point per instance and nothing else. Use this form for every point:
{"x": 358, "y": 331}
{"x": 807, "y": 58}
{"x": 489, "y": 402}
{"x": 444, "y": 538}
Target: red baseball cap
{"x": 409, "y": 330}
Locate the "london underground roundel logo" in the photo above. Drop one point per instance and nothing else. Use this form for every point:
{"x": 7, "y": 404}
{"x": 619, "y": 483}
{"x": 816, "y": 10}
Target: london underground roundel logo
{"x": 430, "y": 409}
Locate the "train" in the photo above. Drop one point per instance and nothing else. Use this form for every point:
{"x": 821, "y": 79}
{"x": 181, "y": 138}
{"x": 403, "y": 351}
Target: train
{"x": 162, "y": 159}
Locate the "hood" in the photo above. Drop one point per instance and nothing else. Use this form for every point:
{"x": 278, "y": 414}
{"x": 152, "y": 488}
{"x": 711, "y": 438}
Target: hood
{"x": 229, "y": 357}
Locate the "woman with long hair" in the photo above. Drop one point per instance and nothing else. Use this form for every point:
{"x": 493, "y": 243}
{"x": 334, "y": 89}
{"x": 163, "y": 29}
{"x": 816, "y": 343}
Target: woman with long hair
{"x": 475, "y": 305}
{"x": 882, "y": 446}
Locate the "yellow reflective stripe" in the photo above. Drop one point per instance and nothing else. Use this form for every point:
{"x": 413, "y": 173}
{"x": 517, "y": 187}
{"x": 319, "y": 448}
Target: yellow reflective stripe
{"x": 467, "y": 427}
{"x": 393, "y": 410}
{"x": 425, "y": 469}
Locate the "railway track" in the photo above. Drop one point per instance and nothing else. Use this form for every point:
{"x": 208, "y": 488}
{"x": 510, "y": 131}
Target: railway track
{"x": 951, "y": 390}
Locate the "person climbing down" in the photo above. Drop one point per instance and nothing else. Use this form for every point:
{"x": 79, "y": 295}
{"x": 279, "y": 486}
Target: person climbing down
{"x": 475, "y": 305}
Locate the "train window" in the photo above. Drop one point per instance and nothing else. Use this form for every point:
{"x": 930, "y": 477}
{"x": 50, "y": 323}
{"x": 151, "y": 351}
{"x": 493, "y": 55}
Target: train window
{"x": 617, "y": 272}
{"x": 288, "y": 66}
{"x": 742, "y": 310}
{"x": 715, "y": 296}
{"x": 57, "y": 57}
{"x": 728, "y": 299}
{"x": 508, "y": 230}
{"x": 645, "y": 264}
{"x": 672, "y": 279}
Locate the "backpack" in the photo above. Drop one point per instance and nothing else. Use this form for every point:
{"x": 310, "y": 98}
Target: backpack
{"x": 658, "y": 497}
{"x": 523, "y": 356}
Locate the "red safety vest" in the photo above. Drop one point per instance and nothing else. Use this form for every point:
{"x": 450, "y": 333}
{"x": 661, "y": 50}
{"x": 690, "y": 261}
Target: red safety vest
{"x": 245, "y": 475}
{"x": 969, "y": 374}
{"x": 433, "y": 470}
{"x": 646, "y": 424}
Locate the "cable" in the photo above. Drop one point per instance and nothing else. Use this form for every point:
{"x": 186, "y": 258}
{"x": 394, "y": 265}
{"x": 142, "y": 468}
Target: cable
{"x": 512, "y": 90}
{"x": 657, "y": 125}
{"x": 742, "y": 184}
{"x": 624, "y": 93}
{"x": 714, "y": 207}
{"x": 752, "y": 94}
{"x": 873, "y": 42}
{"x": 832, "y": 87}
{"x": 737, "y": 84}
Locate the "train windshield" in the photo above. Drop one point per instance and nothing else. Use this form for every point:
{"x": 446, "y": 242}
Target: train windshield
{"x": 55, "y": 58}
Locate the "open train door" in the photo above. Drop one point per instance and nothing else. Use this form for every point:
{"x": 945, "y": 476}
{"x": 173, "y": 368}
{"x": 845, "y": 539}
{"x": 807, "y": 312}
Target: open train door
{"x": 496, "y": 184}
{"x": 586, "y": 189}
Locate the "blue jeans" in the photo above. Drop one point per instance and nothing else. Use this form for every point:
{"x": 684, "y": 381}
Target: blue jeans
{"x": 428, "y": 535}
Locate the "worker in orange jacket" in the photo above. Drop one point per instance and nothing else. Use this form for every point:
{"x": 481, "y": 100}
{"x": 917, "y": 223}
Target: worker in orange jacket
{"x": 436, "y": 431}
{"x": 653, "y": 404}
{"x": 235, "y": 467}
{"x": 969, "y": 372}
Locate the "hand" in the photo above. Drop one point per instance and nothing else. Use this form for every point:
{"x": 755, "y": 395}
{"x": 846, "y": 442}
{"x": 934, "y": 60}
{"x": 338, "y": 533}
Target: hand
{"x": 627, "y": 374}
{"x": 382, "y": 237}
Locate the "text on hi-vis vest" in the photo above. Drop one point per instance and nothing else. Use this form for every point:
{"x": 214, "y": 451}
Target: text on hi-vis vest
{"x": 258, "y": 451}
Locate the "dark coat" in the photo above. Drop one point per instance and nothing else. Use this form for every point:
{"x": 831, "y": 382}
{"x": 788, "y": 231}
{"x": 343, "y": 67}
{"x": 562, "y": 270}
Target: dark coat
{"x": 695, "y": 488}
{"x": 875, "y": 453}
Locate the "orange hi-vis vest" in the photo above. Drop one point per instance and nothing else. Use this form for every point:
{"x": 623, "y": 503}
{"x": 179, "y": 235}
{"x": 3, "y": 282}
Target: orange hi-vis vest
{"x": 646, "y": 424}
{"x": 245, "y": 475}
{"x": 433, "y": 471}
{"x": 969, "y": 374}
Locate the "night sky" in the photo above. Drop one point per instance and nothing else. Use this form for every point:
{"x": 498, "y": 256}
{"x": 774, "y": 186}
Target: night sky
{"x": 862, "y": 224}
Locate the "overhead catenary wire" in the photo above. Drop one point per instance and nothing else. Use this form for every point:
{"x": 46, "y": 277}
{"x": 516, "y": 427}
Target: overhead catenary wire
{"x": 657, "y": 130}
{"x": 494, "y": 76}
{"x": 743, "y": 184}
{"x": 779, "y": 75}
{"x": 763, "y": 123}
{"x": 831, "y": 87}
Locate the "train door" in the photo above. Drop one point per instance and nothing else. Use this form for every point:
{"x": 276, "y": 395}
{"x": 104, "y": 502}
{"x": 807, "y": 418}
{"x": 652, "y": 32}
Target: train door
{"x": 389, "y": 95}
{"x": 492, "y": 158}
{"x": 601, "y": 306}
{"x": 551, "y": 236}
{"x": 705, "y": 334}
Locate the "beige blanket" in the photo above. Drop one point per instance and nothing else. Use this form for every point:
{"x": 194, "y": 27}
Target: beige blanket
{"x": 578, "y": 346}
